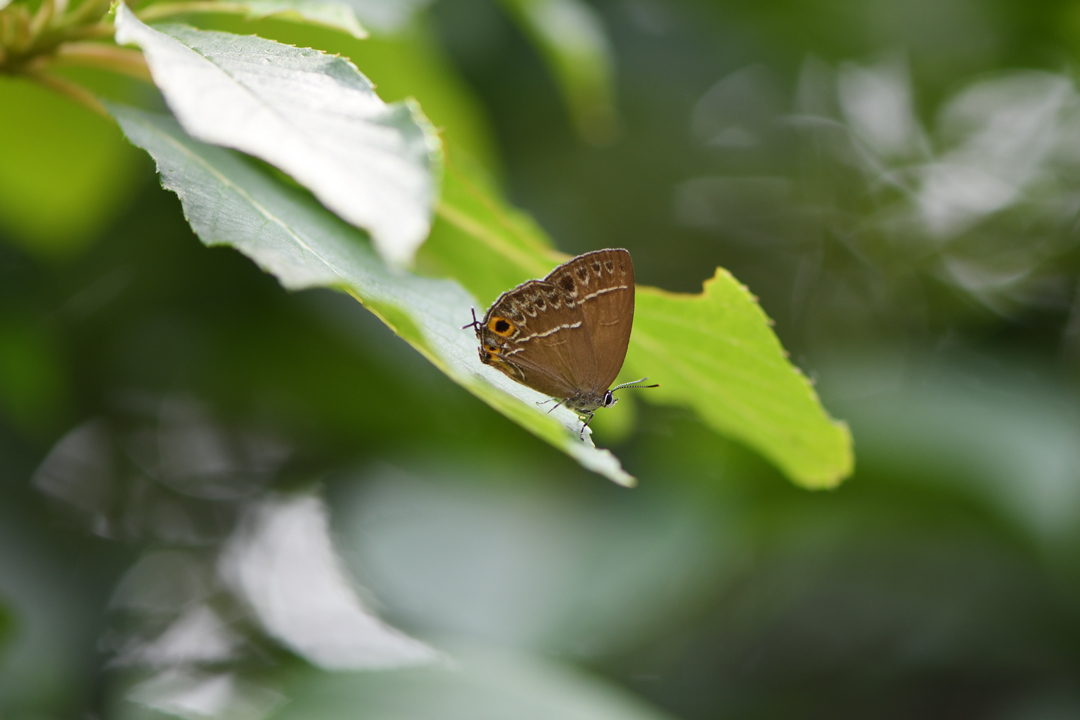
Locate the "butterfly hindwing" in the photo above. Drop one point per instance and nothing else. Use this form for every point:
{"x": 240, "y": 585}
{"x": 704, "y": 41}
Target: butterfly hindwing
{"x": 601, "y": 283}
{"x": 536, "y": 337}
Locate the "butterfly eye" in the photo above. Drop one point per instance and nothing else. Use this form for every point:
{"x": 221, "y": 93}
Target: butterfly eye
{"x": 500, "y": 326}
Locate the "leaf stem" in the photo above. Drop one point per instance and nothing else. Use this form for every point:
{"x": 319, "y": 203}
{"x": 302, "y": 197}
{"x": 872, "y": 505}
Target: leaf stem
{"x": 125, "y": 61}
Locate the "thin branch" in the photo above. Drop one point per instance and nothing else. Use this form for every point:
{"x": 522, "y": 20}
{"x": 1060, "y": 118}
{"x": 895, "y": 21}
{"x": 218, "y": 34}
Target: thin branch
{"x": 125, "y": 61}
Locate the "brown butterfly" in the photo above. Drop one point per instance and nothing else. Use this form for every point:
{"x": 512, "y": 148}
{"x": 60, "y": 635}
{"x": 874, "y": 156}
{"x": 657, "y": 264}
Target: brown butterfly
{"x": 565, "y": 335}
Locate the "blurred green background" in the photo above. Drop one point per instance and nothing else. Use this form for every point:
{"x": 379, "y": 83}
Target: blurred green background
{"x": 899, "y": 184}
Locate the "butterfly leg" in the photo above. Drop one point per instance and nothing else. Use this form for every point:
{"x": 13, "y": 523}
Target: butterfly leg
{"x": 585, "y": 424}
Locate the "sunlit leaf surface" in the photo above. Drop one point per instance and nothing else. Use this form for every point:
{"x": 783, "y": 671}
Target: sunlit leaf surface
{"x": 310, "y": 114}
{"x": 715, "y": 352}
{"x": 290, "y": 236}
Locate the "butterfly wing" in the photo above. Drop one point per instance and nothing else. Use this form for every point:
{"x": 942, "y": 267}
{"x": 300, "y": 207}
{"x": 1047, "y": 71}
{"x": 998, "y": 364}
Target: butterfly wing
{"x": 539, "y": 337}
{"x": 601, "y": 286}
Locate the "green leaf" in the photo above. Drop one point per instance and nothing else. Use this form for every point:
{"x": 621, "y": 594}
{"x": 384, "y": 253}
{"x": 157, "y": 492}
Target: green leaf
{"x": 573, "y": 41}
{"x": 716, "y": 353}
{"x": 480, "y": 684}
{"x": 335, "y": 15}
{"x": 228, "y": 202}
{"x": 312, "y": 115}
{"x": 331, "y": 14}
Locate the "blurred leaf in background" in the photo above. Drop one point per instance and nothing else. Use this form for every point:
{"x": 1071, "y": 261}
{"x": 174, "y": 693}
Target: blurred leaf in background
{"x": 5, "y": 626}
{"x": 574, "y": 42}
{"x": 34, "y": 382}
{"x": 66, "y": 175}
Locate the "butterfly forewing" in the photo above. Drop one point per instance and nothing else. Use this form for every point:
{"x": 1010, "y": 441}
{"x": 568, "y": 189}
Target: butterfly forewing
{"x": 601, "y": 284}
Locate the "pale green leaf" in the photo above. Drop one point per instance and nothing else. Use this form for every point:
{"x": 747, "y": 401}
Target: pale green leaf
{"x": 314, "y": 116}
{"x": 716, "y": 353}
{"x": 285, "y": 232}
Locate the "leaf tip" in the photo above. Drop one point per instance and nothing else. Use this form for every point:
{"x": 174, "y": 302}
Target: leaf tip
{"x": 843, "y": 468}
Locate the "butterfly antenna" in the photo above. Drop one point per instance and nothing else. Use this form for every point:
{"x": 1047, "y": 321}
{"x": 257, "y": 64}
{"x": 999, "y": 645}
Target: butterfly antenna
{"x": 634, "y": 384}
{"x": 474, "y": 324}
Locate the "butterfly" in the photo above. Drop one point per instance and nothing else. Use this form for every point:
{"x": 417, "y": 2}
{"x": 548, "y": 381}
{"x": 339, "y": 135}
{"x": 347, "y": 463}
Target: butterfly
{"x": 566, "y": 335}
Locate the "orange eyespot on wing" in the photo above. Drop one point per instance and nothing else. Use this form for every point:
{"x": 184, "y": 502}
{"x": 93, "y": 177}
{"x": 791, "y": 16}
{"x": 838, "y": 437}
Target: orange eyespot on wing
{"x": 500, "y": 326}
